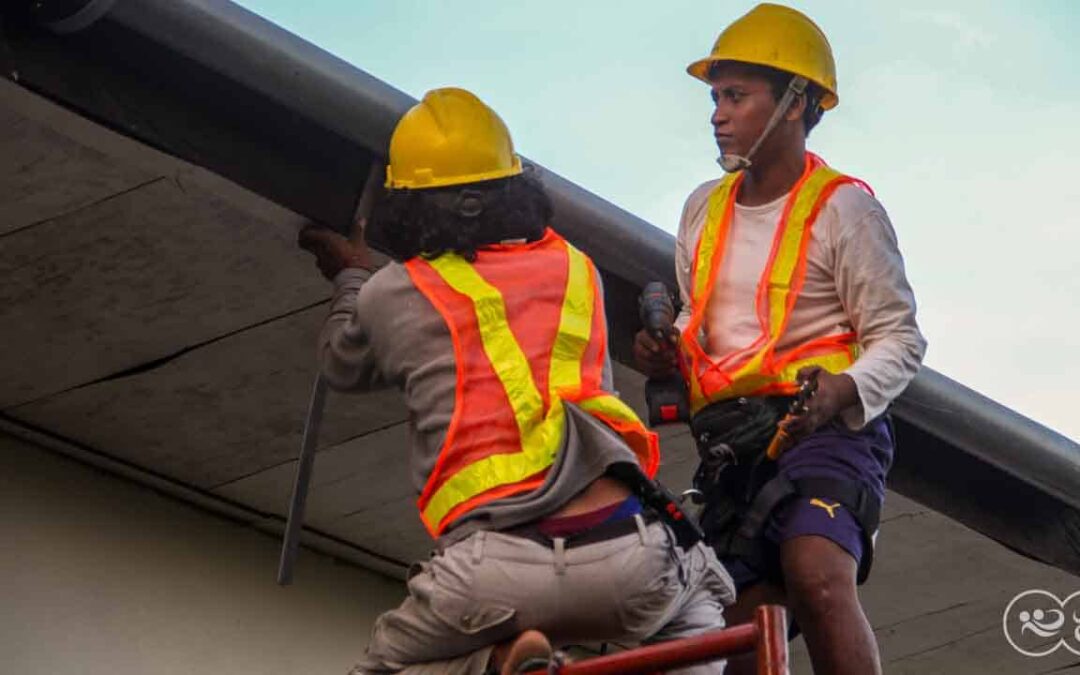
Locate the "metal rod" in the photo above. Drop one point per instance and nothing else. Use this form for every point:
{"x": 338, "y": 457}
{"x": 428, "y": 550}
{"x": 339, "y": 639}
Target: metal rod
{"x": 306, "y": 461}
{"x": 304, "y": 466}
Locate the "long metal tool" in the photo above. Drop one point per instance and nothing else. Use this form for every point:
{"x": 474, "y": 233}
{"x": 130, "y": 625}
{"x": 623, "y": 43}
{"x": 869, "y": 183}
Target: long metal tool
{"x": 305, "y": 463}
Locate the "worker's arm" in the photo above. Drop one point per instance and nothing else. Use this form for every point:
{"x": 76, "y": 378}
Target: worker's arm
{"x": 690, "y": 225}
{"x": 874, "y": 290}
{"x": 344, "y": 350}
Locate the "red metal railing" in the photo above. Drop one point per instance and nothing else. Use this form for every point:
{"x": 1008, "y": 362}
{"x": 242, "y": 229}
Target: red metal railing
{"x": 766, "y": 635}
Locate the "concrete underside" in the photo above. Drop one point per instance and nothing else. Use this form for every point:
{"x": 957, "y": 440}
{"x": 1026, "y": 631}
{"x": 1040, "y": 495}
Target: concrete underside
{"x": 160, "y": 320}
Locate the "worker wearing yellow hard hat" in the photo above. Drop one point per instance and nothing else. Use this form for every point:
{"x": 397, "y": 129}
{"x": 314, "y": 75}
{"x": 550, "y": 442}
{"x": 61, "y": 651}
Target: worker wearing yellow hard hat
{"x": 797, "y": 318}
{"x": 452, "y": 138}
{"x": 532, "y": 476}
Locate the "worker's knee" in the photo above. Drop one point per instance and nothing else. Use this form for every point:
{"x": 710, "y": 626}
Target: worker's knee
{"x": 819, "y": 576}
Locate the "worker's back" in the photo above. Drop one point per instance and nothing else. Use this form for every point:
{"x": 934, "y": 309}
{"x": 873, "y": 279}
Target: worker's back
{"x": 530, "y": 472}
{"x": 419, "y": 343}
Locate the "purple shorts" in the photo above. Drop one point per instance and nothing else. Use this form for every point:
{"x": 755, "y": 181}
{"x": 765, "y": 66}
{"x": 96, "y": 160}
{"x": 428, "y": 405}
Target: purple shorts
{"x": 833, "y": 451}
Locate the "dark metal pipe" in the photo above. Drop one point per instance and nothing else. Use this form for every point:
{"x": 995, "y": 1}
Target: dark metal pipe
{"x": 318, "y": 86}
{"x": 68, "y": 16}
{"x": 990, "y": 431}
{"x": 267, "y": 59}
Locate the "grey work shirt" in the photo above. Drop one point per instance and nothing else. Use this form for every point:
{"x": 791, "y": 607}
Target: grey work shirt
{"x": 383, "y": 332}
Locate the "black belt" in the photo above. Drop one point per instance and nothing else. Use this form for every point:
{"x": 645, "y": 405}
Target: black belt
{"x": 594, "y": 535}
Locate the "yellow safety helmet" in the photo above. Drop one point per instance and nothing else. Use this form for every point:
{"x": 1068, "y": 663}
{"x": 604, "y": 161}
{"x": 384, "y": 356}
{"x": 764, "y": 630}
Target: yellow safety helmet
{"x": 779, "y": 37}
{"x": 450, "y": 138}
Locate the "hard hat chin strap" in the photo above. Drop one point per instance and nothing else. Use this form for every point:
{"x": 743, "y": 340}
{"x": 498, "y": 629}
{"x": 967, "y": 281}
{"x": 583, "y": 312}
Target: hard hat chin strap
{"x": 731, "y": 163}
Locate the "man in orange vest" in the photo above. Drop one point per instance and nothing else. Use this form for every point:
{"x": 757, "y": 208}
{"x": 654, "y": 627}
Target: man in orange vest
{"x": 790, "y": 279}
{"x": 530, "y": 474}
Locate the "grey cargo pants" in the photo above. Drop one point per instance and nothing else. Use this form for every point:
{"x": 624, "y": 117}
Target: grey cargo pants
{"x": 490, "y": 586}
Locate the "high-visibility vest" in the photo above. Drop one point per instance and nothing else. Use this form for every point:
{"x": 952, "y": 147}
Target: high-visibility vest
{"x": 527, "y": 325}
{"x": 759, "y": 369}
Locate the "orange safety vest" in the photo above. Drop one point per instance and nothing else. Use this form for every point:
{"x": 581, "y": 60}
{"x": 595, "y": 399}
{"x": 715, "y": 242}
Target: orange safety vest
{"x": 527, "y": 325}
{"x": 759, "y": 369}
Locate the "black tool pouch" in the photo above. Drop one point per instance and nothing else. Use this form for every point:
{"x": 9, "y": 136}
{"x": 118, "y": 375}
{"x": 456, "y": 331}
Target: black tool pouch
{"x": 731, "y": 438}
{"x": 734, "y": 432}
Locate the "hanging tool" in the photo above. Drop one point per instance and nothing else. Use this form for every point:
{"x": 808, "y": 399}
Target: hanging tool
{"x": 782, "y": 440}
{"x": 305, "y": 463}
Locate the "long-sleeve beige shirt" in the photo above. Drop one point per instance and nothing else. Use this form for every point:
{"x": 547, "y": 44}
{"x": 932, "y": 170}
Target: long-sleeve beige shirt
{"x": 855, "y": 281}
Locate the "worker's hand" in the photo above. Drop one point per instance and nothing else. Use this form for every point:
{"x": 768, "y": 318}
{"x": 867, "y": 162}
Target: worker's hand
{"x": 834, "y": 394}
{"x": 657, "y": 358}
{"x": 334, "y": 252}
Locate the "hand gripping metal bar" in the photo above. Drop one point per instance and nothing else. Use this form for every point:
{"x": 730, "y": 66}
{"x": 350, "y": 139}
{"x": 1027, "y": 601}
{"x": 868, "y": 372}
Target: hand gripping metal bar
{"x": 306, "y": 461}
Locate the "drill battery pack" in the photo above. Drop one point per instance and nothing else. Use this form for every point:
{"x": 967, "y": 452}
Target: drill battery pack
{"x": 667, "y": 400}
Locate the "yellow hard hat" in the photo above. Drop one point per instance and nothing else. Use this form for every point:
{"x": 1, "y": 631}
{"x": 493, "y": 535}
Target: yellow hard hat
{"x": 779, "y": 37}
{"x": 450, "y": 138}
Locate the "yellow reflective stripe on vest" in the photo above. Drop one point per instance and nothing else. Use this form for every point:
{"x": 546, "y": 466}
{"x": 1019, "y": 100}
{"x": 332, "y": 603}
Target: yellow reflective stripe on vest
{"x": 711, "y": 236}
{"x": 503, "y": 351}
{"x": 709, "y": 242}
{"x": 575, "y": 325}
{"x": 612, "y": 407}
{"x": 835, "y": 362}
{"x": 754, "y": 373}
{"x": 787, "y": 255}
{"x": 784, "y": 264}
{"x": 541, "y": 435}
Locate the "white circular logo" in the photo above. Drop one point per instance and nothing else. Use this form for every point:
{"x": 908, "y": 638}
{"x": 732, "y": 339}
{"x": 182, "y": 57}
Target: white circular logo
{"x": 1037, "y": 623}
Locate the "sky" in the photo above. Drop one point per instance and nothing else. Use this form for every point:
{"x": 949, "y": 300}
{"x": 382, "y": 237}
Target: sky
{"x": 964, "y": 116}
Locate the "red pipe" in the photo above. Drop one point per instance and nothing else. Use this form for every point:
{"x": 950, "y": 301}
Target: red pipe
{"x": 767, "y": 635}
{"x": 772, "y": 654}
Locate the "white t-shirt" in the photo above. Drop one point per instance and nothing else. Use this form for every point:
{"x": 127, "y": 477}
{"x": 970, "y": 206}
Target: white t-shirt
{"x": 855, "y": 281}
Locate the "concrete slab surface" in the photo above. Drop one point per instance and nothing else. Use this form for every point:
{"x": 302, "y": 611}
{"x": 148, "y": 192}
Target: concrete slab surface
{"x": 46, "y": 173}
{"x": 211, "y": 416}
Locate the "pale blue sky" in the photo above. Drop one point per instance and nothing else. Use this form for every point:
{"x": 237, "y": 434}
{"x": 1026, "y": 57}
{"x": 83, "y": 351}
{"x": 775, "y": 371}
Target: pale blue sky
{"x": 963, "y": 116}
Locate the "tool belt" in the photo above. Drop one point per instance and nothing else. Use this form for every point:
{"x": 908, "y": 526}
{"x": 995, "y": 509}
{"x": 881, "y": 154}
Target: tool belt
{"x": 734, "y": 433}
{"x": 741, "y": 489}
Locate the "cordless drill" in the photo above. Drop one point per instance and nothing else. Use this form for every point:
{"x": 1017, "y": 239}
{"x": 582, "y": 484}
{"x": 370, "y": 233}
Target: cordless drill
{"x": 665, "y": 397}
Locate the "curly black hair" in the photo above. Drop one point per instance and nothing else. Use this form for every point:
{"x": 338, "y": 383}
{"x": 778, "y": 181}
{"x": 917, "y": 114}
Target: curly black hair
{"x": 460, "y": 218}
